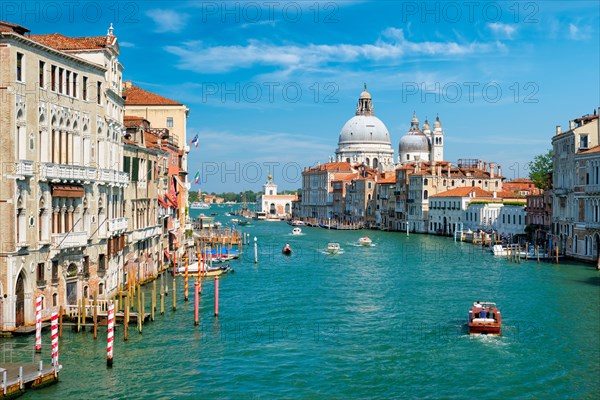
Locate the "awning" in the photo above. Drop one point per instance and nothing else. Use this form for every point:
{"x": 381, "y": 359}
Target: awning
{"x": 67, "y": 191}
{"x": 167, "y": 254}
{"x": 162, "y": 202}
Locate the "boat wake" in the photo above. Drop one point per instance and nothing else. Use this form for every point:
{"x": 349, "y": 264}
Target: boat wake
{"x": 328, "y": 253}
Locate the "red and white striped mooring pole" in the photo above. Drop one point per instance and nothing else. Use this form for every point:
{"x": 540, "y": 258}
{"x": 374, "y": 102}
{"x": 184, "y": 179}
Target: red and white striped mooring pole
{"x": 54, "y": 335}
{"x": 110, "y": 336}
{"x": 38, "y": 324}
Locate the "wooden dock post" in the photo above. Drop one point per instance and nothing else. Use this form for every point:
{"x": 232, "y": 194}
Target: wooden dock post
{"x": 185, "y": 280}
{"x": 255, "y": 251}
{"x": 556, "y": 248}
{"x": 84, "y": 313}
{"x": 95, "y": 305}
{"x": 143, "y": 309}
{"x": 78, "y": 316}
{"x": 38, "y": 324}
{"x": 153, "y": 303}
{"x": 174, "y": 297}
{"x": 60, "y": 314}
{"x": 537, "y": 253}
{"x": 196, "y": 303}
{"x": 162, "y": 297}
{"x": 139, "y": 310}
{"x": 216, "y": 296}
{"x": 110, "y": 335}
{"x": 126, "y": 319}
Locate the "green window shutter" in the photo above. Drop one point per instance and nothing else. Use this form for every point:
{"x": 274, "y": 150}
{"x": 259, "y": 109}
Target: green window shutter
{"x": 135, "y": 169}
{"x": 127, "y": 164}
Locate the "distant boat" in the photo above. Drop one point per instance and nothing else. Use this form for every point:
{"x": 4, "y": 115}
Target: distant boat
{"x": 260, "y": 215}
{"x": 365, "y": 241}
{"x": 206, "y": 271}
{"x": 333, "y": 248}
{"x": 296, "y": 231}
{"x": 287, "y": 250}
{"x": 484, "y": 319}
{"x": 500, "y": 250}
{"x": 297, "y": 223}
{"x": 197, "y": 205}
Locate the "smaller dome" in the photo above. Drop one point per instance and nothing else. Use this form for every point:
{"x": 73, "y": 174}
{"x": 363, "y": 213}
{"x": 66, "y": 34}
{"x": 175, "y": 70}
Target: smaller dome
{"x": 414, "y": 142}
{"x": 415, "y": 120}
{"x": 426, "y": 126}
{"x": 437, "y": 124}
{"x": 365, "y": 94}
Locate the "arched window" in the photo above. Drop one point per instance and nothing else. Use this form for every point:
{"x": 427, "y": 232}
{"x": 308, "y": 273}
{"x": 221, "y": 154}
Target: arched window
{"x": 425, "y": 181}
{"x": 425, "y": 194}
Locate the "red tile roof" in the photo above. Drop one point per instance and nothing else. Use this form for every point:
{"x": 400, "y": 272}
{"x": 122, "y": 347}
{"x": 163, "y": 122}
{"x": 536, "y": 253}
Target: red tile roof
{"x": 332, "y": 166}
{"x": 62, "y": 42}
{"x": 464, "y": 192}
{"x": 132, "y": 121}
{"x": 595, "y": 149}
{"x": 10, "y": 27}
{"x": 135, "y": 95}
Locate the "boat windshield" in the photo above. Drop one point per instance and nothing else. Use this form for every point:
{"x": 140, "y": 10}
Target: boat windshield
{"x": 486, "y": 304}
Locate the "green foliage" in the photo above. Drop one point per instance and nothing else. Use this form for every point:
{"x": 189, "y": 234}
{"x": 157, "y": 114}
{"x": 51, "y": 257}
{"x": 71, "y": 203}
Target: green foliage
{"x": 540, "y": 170}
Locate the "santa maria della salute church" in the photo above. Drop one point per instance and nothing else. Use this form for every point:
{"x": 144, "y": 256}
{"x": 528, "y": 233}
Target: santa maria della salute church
{"x": 365, "y": 139}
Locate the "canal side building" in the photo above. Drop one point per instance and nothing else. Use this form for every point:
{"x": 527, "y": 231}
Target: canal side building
{"x": 61, "y": 192}
{"x": 575, "y": 193}
{"x": 272, "y": 204}
{"x": 170, "y": 116}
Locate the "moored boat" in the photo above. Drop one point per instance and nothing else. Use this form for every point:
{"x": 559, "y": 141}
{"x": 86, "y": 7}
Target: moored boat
{"x": 297, "y": 222}
{"x": 503, "y": 250}
{"x": 365, "y": 241}
{"x": 484, "y": 319}
{"x": 206, "y": 270}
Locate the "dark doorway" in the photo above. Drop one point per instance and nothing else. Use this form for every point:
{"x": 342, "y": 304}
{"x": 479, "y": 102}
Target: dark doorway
{"x": 20, "y": 306}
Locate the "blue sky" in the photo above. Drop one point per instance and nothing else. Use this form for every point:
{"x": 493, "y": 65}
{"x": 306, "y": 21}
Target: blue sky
{"x": 271, "y": 83}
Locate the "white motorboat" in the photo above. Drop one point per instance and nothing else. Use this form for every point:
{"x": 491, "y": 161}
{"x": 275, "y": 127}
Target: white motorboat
{"x": 296, "y": 231}
{"x": 199, "y": 206}
{"x": 365, "y": 241}
{"x": 500, "y": 250}
{"x": 333, "y": 248}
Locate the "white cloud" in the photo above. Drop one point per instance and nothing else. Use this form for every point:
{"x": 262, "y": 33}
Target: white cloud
{"x": 579, "y": 32}
{"x": 126, "y": 44}
{"x": 392, "y": 48}
{"x": 167, "y": 20}
{"x": 502, "y": 30}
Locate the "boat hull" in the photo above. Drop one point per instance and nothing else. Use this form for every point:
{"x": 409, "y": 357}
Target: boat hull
{"x": 484, "y": 329}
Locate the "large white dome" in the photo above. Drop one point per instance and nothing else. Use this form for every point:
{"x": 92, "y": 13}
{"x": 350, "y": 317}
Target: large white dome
{"x": 364, "y": 129}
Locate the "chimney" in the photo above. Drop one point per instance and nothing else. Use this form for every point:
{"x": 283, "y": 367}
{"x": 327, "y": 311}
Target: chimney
{"x": 571, "y": 125}
{"x": 499, "y": 170}
{"x": 492, "y": 170}
{"x": 127, "y": 84}
{"x": 494, "y": 194}
{"x": 558, "y": 130}
{"x": 439, "y": 170}
{"x": 449, "y": 166}
{"x": 485, "y": 166}
{"x": 433, "y": 168}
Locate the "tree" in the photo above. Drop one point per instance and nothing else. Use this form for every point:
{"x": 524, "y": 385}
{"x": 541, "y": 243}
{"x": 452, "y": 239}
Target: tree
{"x": 540, "y": 170}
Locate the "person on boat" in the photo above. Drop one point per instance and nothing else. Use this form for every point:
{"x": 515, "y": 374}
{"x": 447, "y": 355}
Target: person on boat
{"x": 482, "y": 314}
{"x": 478, "y": 305}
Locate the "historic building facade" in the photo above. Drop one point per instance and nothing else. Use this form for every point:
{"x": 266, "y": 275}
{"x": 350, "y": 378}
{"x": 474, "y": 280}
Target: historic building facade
{"x": 273, "y": 204}
{"x": 61, "y": 192}
{"x": 573, "y": 197}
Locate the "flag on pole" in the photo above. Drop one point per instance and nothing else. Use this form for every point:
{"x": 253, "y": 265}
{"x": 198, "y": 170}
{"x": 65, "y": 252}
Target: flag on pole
{"x": 194, "y": 141}
{"x": 197, "y": 177}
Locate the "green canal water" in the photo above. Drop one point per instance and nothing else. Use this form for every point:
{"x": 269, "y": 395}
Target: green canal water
{"x": 385, "y": 321}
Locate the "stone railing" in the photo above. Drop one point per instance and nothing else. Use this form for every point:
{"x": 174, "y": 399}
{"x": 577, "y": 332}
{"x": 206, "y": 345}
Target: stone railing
{"x": 24, "y": 168}
{"x": 143, "y": 234}
{"x": 71, "y": 239}
{"x": 67, "y": 172}
{"x": 117, "y": 224}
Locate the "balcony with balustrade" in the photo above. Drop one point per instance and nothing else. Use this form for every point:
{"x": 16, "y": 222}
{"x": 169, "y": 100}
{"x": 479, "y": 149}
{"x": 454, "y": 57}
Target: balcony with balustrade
{"x": 117, "y": 225}
{"x": 67, "y": 172}
{"x": 24, "y": 168}
{"x": 113, "y": 177}
{"x": 146, "y": 233}
{"x": 68, "y": 240}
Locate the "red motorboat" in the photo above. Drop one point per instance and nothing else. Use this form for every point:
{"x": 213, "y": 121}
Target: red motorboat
{"x": 287, "y": 250}
{"x": 484, "y": 319}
